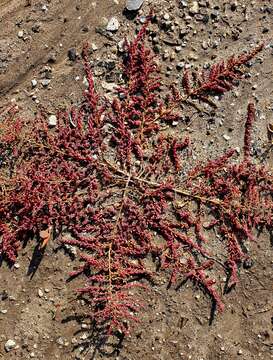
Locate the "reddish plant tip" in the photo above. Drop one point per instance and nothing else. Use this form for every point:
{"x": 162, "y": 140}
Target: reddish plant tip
{"x": 248, "y": 129}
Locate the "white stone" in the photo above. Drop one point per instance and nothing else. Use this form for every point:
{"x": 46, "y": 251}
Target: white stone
{"x": 108, "y": 86}
{"x": 52, "y": 120}
{"x": 9, "y": 345}
{"x": 226, "y": 137}
{"x": 133, "y": 5}
{"x": 112, "y": 25}
{"x": 94, "y": 47}
{"x": 45, "y": 82}
{"x": 34, "y": 83}
{"x": 20, "y": 34}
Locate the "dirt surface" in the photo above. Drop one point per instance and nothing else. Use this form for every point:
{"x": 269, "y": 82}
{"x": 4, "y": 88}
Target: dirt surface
{"x": 37, "y": 308}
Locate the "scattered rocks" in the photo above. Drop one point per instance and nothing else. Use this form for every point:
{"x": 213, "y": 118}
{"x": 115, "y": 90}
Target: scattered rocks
{"x": 113, "y": 25}
{"x": 52, "y": 120}
{"x": 10, "y": 345}
{"x": 133, "y": 5}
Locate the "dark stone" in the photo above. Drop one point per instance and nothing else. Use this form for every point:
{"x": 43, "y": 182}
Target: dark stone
{"x": 72, "y": 54}
{"x": 248, "y": 263}
{"x": 205, "y": 19}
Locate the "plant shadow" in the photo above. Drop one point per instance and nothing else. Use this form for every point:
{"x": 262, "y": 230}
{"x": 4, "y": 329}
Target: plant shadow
{"x": 35, "y": 261}
{"x": 94, "y": 339}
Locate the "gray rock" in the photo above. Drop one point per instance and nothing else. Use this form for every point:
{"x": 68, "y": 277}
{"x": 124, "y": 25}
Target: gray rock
{"x": 133, "y": 5}
{"x": 45, "y": 82}
{"x": 9, "y": 345}
{"x": 112, "y": 25}
{"x": 52, "y": 120}
{"x": 36, "y": 28}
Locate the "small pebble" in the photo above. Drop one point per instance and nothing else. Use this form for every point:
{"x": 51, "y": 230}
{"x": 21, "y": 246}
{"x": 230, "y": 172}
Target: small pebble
{"x": 72, "y": 54}
{"x": 94, "y": 47}
{"x": 40, "y": 293}
{"x": 20, "y": 34}
{"x": 52, "y": 120}
{"x": 9, "y": 345}
{"x": 180, "y": 65}
{"x": 45, "y": 82}
{"x": 226, "y": 137}
{"x": 34, "y": 83}
{"x": 112, "y": 25}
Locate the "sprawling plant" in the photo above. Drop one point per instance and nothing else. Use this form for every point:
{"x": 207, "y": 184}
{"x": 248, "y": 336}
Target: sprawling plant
{"x": 108, "y": 180}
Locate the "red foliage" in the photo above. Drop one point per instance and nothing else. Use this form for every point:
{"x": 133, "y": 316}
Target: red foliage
{"x": 248, "y": 127}
{"x": 220, "y": 78}
{"x": 109, "y": 182}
